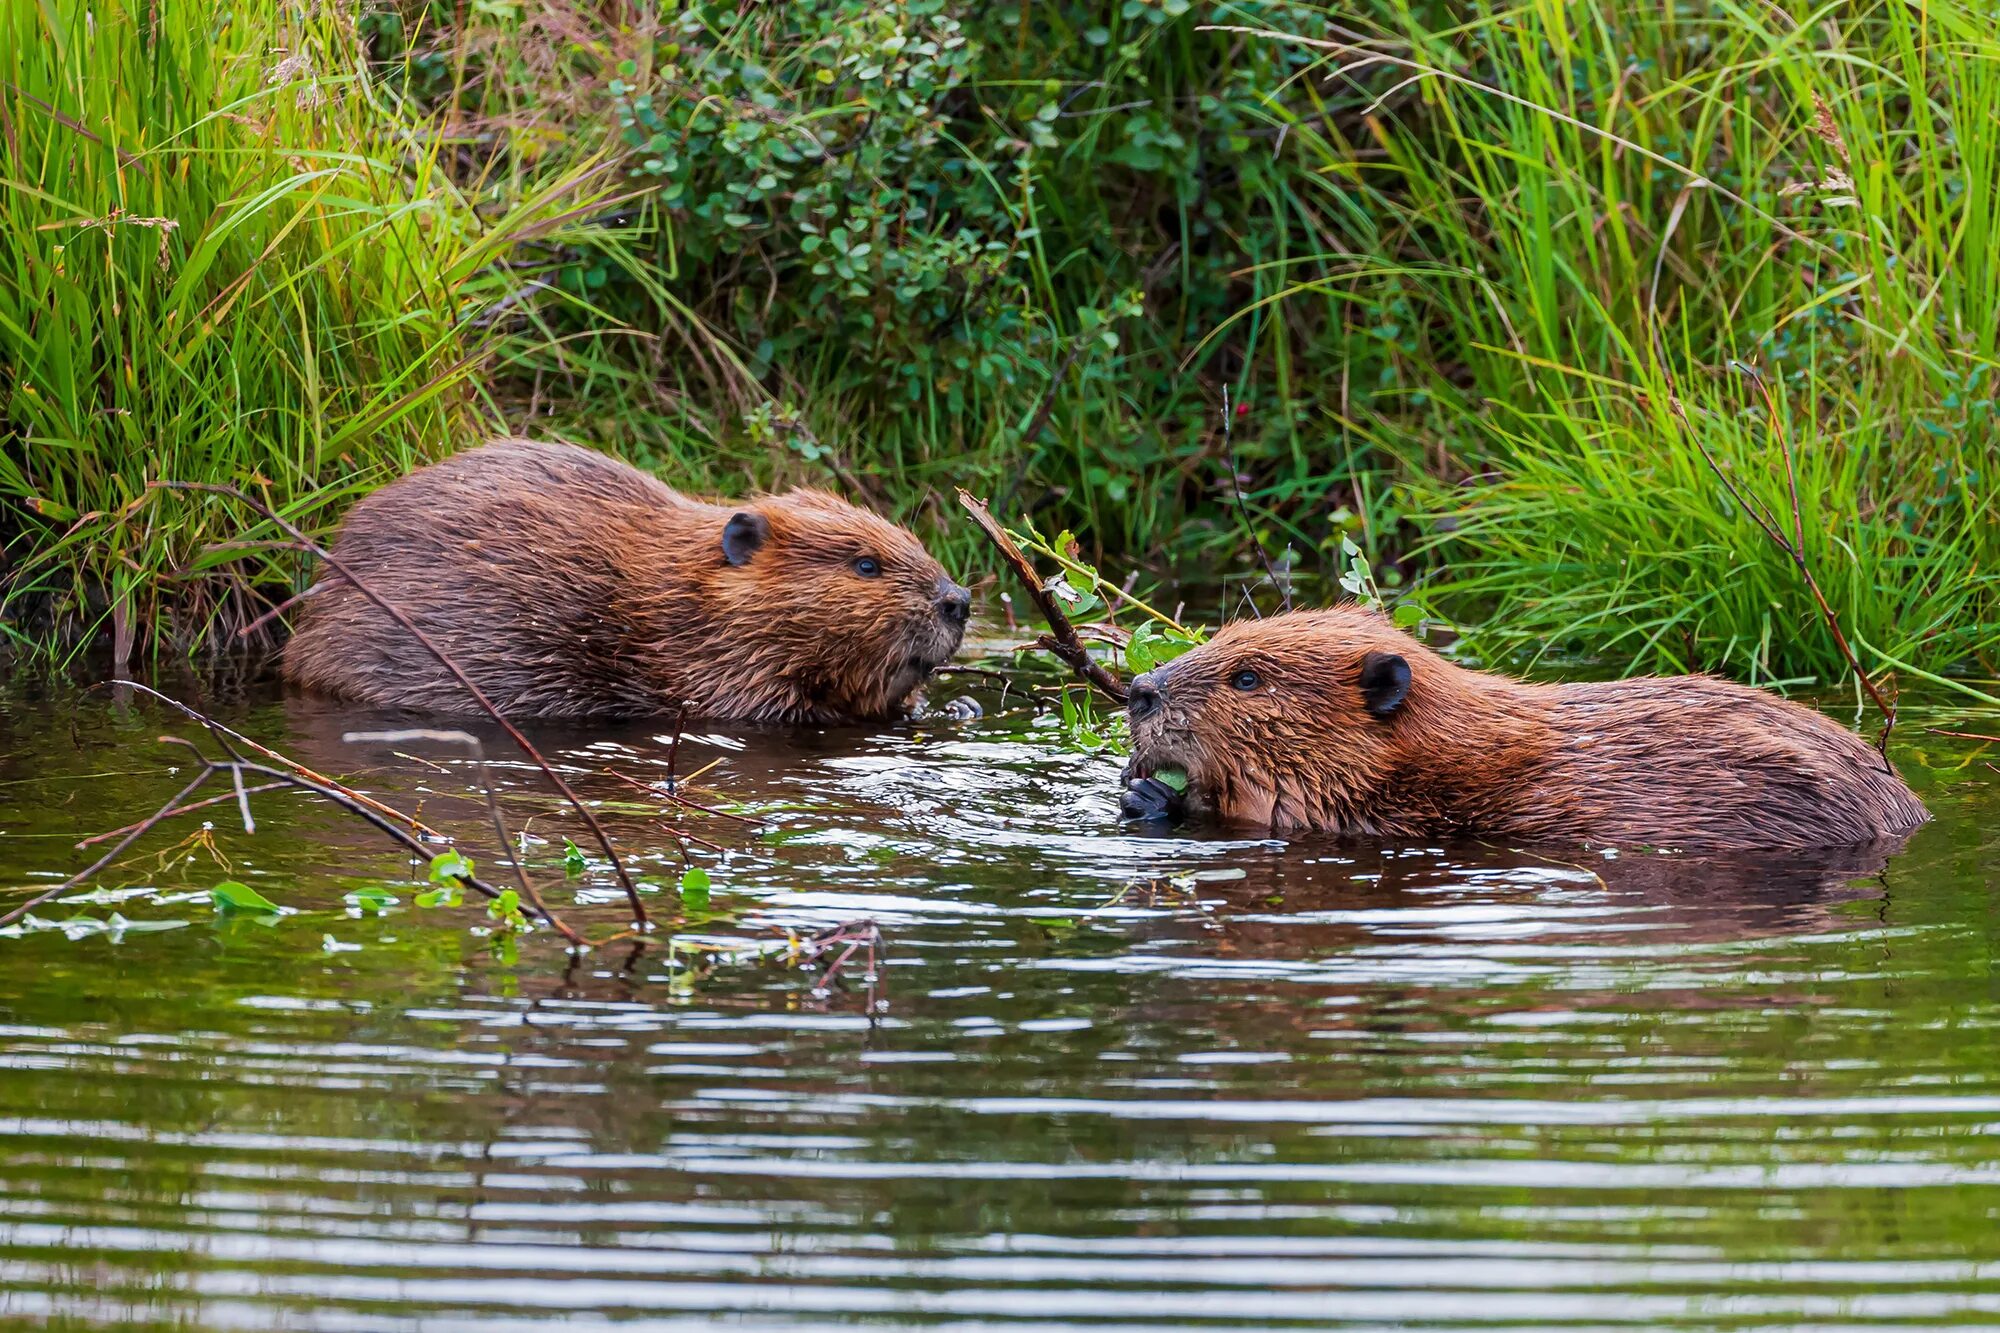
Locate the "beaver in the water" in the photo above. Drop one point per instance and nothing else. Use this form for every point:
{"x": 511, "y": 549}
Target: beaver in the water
{"x": 1335, "y": 721}
{"x": 568, "y": 584}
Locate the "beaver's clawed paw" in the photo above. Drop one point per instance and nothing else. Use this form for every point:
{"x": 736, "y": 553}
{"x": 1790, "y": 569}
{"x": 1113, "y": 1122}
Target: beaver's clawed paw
{"x": 1150, "y": 799}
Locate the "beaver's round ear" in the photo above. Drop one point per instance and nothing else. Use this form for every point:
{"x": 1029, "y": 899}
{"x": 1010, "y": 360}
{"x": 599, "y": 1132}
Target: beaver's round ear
{"x": 1385, "y": 682}
{"x": 744, "y": 535}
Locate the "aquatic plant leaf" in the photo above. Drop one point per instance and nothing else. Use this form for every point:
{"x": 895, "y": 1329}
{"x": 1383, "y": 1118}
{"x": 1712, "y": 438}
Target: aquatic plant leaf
{"x": 694, "y": 889}
{"x": 234, "y": 896}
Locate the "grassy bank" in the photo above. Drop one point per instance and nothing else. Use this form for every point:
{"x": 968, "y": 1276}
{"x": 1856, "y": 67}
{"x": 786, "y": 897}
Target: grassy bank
{"x": 1454, "y": 268}
{"x": 225, "y": 256}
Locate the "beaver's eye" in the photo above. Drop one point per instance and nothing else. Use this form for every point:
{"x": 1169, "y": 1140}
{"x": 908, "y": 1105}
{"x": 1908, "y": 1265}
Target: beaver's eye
{"x": 1246, "y": 679}
{"x": 868, "y": 567}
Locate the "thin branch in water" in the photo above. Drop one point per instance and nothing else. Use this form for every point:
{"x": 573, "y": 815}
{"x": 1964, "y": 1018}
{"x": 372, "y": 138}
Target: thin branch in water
{"x": 674, "y": 746}
{"x": 218, "y": 730}
{"x": 444, "y": 659}
{"x": 402, "y": 836}
{"x": 202, "y": 804}
{"x": 137, "y": 830}
{"x": 478, "y": 751}
{"x": 660, "y": 792}
{"x": 1062, "y": 639}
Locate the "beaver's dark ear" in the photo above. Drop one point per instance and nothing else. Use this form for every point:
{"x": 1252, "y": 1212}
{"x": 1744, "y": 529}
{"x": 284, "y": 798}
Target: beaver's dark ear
{"x": 1385, "y": 681}
{"x": 744, "y": 535}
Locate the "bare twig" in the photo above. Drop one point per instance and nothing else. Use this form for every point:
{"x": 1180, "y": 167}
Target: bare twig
{"x": 219, "y": 731}
{"x": 444, "y": 659}
{"x": 1797, "y": 551}
{"x": 391, "y": 823}
{"x": 144, "y": 826}
{"x": 478, "y": 751}
{"x": 1243, "y": 511}
{"x": 674, "y": 746}
{"x": 1962, "y": 735}
{"x": 855, "y": 936}
{"x": 401, "y": 835}
{"x": 1062, "y": 639}
{"x": 276, "y": 611}
{"x": 202, "y": 804}
{"x": 1794, "y": 545}
{"x": 663, "y": 793}
{"x": 242, "y": 800}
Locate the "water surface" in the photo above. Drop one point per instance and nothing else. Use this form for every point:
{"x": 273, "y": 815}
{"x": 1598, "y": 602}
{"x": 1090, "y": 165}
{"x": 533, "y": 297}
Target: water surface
{"x": 1313, "y": 1085}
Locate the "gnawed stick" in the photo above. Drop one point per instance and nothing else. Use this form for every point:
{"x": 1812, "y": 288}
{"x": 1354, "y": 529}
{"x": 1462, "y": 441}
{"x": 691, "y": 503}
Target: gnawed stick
{"x": 1061, "y": 640}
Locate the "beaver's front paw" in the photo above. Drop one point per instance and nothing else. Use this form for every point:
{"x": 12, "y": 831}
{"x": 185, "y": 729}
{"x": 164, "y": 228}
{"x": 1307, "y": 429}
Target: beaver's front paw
{"x": 1150, "y": 799}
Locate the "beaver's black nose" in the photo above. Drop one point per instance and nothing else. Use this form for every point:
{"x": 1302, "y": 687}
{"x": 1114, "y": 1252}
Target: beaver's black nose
{"x": 1144, "y": 698}
{"x": 954, "y": 603}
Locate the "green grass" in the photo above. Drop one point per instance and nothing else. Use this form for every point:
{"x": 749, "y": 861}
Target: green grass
{"x": 223, "y": 257}
{"x": 1454, "y": 276}
{"x": 1854, "y": 276}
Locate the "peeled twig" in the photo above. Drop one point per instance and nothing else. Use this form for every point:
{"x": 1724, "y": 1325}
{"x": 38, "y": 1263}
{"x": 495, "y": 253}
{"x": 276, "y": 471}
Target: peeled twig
{"x": 1062, "y": 638}
{"x": 444, "y": 659}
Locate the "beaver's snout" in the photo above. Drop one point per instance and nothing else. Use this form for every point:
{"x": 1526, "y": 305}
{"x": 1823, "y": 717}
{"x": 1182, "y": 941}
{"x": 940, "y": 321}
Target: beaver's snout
{"x": 1144, "y": 697}
{"x": 954, "y": 602}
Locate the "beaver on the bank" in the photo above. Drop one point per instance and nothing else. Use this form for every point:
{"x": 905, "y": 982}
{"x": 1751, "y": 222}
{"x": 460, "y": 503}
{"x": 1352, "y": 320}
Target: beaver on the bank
{"x": 1335, "y": 721}
{"x": 568, "y": 584}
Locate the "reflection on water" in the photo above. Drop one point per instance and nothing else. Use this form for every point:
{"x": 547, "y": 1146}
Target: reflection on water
{"x": 1120, "y": 1082}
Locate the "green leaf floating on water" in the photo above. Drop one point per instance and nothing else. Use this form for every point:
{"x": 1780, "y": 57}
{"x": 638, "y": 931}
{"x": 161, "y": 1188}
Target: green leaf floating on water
{"x": 694, "y": 889}
{"x": 1175, "y": 778}
{"x": 232, "y": 896}
{"x": 573, "y": 859}
{"x": 449, "y": 866}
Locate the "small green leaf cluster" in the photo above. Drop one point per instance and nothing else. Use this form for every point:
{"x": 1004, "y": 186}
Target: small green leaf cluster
{"x": 449, "y": 871}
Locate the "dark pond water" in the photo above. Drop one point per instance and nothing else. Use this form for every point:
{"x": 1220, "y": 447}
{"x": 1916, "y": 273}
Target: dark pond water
{"x": 1321, "y": 1085}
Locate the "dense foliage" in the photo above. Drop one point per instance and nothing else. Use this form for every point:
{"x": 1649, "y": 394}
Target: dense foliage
{"x": 1477, "y": 284}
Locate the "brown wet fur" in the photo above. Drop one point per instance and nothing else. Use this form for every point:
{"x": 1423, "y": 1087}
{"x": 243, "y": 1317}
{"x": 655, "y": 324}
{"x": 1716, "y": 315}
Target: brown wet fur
{"x": 1685, "y": 761}
{"x": 568, "y": 584}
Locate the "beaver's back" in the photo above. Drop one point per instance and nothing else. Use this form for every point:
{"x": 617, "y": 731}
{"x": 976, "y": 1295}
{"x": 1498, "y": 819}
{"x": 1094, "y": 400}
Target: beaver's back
{"x": 517, "y": 558}
{"x": 1703, "y": 763}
